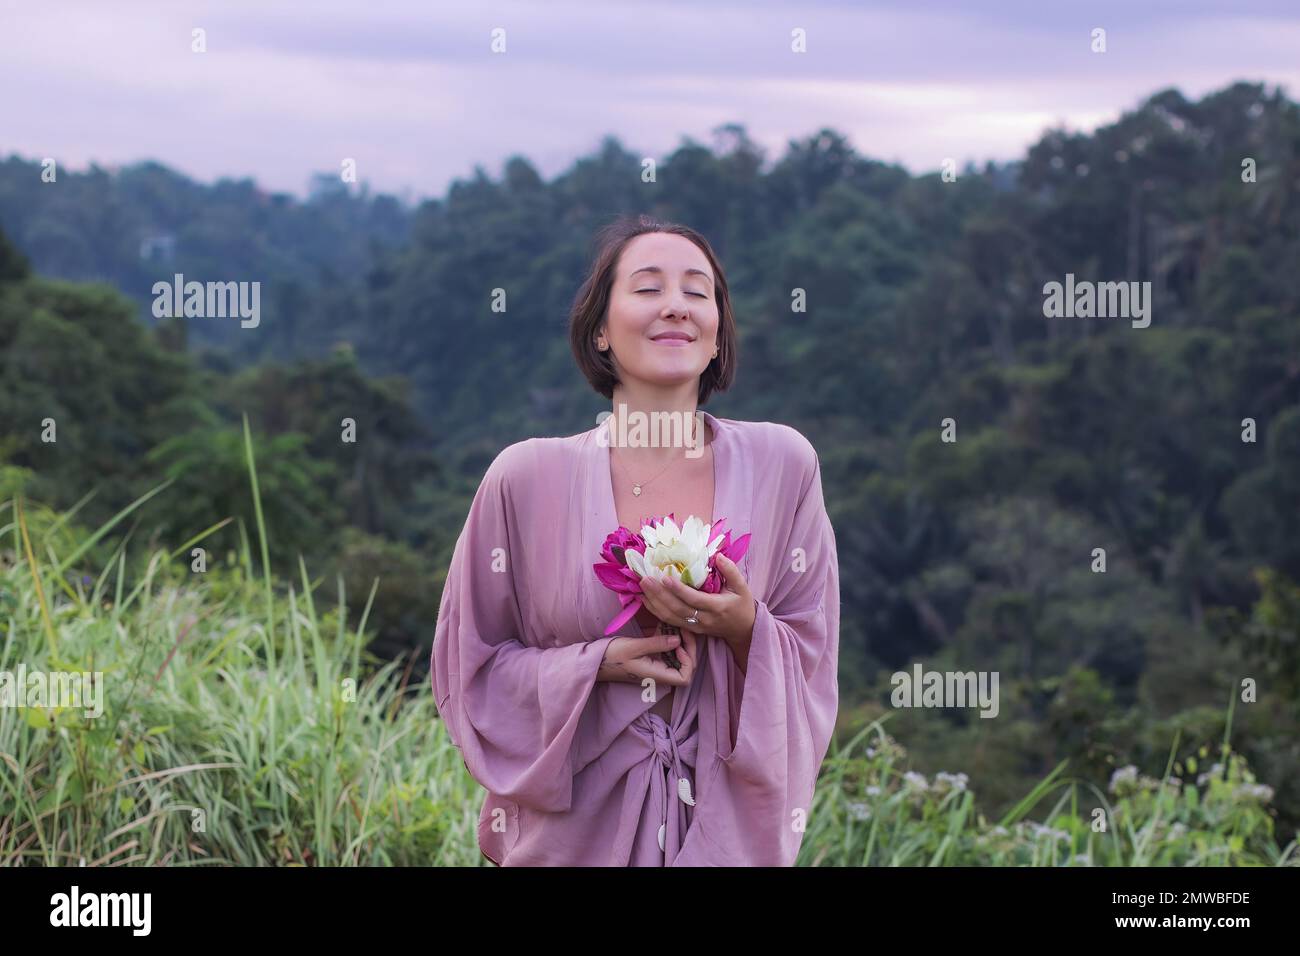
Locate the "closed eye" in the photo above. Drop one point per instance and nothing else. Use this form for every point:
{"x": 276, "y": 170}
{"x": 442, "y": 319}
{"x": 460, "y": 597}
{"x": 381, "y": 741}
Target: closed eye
{"x": 700, "y": 294}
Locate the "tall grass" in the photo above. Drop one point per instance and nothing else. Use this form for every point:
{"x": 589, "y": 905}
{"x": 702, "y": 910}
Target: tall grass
{"x": 240, "y": 727}
{"x": 870, "y": 811}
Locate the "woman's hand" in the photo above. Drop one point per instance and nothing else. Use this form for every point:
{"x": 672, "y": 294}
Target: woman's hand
{"x": 729, "y": 614}
{"x": 632, "y": 659}
{"x": 688, "y": 654}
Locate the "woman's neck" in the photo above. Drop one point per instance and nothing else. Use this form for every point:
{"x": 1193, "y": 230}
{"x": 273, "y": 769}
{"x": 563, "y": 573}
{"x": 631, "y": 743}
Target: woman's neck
{"x": 652, "y": 429}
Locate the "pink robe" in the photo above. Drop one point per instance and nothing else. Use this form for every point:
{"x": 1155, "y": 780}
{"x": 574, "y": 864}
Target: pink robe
{"x": 578, "y": 771}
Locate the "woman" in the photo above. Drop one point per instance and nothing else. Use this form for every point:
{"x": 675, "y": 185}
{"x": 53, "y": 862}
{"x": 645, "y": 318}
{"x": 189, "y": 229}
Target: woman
{"x": 593, "y": 749}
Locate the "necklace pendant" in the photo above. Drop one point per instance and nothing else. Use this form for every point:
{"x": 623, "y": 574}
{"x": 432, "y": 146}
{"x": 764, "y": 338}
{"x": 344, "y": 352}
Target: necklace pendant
{"x": 636, "y": 490}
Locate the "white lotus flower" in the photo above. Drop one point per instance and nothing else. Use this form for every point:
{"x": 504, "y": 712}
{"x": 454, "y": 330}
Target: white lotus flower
{"x": 682, "y": 553}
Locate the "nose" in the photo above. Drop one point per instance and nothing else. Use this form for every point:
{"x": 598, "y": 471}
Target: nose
{"x": 677, "y": 306}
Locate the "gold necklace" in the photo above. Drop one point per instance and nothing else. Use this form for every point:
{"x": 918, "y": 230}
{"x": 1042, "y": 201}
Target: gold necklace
{"x": 638, "y": 485}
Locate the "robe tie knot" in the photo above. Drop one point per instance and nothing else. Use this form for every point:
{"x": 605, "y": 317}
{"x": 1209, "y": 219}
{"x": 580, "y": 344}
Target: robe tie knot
{"x": 674, "y": 756}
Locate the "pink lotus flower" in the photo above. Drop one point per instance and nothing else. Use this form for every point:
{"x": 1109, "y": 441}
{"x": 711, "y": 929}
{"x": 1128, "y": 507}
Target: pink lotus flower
{"x": 687, "y": 553}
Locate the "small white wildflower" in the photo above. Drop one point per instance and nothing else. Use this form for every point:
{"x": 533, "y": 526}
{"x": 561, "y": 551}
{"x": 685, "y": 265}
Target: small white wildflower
{"x": 1122, "y": 777}
{"x": 873, "y": 791}
{"x": 1258, "y": 792}
{"x": 953, "y": 781}
{"x": 1048, "y": 833}
{"x": 859, "y": 811}
{"x": 1205, "y": 777}
{"x": 915, "y": 781}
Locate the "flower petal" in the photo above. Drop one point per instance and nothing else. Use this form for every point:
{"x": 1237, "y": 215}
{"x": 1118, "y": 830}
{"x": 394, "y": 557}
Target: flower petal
{"x": 623, "y": 616}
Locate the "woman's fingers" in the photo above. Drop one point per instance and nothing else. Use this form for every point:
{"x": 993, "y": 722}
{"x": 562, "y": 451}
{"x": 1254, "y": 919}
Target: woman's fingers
{"x": 664, "y": 642}
{"x": 687, "y": 652}
{"x": 657, "y": 670}
{"x": 664, "y": 602}
{"x": 688, "y": 655}
{"x": 732, "y": 577}
{"x": 640, "y": 657}
{"x": 665, "y": 672}
{"x": 632, "y": 648}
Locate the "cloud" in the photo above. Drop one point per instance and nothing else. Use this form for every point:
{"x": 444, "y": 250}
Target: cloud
{"x": 415, "y": 94}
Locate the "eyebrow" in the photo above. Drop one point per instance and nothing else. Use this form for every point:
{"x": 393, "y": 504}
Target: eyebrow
{"x": 697, "y": 272}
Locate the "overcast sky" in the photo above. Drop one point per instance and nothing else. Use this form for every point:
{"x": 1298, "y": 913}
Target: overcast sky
{"x": 413, "y": 92}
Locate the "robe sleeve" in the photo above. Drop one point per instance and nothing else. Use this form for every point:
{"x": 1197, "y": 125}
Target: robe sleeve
{"x": 513, "y": 710}
{"x": 772, "y": 740}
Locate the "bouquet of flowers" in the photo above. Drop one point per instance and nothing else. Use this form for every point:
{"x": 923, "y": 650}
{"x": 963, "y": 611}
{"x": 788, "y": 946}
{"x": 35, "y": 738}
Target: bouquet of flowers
{"x": 660, "y": 550}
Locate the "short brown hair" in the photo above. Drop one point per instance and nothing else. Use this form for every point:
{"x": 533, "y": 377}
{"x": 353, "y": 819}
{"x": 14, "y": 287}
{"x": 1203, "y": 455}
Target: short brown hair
{"x": 591, "y": 307}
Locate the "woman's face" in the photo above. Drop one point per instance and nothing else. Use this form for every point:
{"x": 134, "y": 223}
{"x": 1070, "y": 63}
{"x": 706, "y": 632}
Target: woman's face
{"x": 662, "y": 322}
